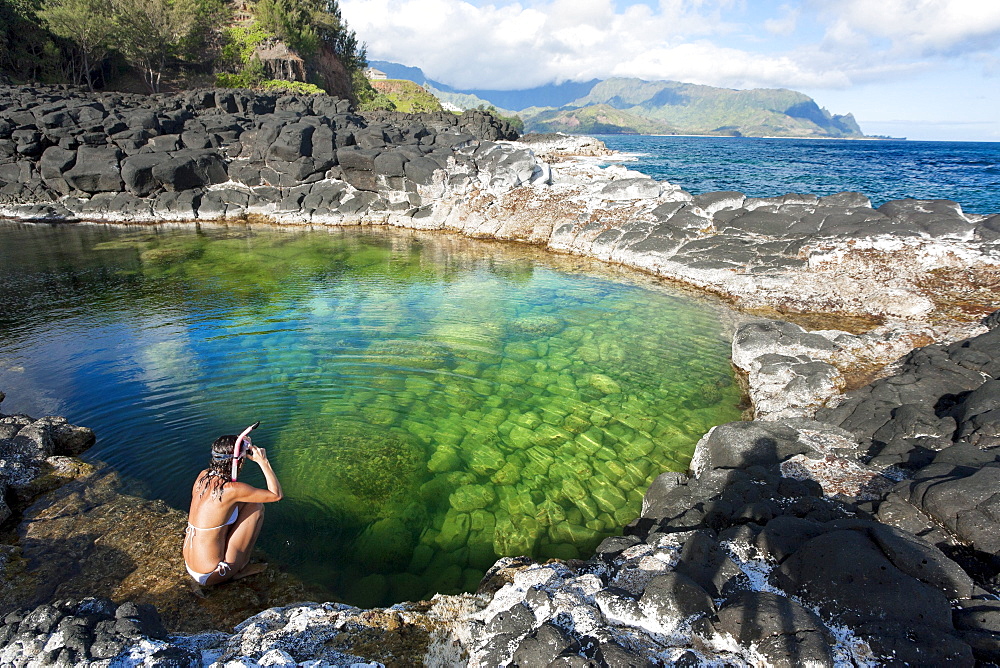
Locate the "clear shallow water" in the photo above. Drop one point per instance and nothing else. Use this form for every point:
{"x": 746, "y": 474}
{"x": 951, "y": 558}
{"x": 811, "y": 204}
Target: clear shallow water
{"x": 966, "y": 172}
{"x": 429, "y": 403}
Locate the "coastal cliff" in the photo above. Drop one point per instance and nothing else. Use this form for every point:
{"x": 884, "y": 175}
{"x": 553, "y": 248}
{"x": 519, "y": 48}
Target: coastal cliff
{"x": 637, "y": 106}
{"x": 853, "y": 521}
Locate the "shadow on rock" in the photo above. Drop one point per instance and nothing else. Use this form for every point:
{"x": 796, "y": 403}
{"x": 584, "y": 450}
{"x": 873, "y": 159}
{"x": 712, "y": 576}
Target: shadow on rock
{"x": 88, "y": 539}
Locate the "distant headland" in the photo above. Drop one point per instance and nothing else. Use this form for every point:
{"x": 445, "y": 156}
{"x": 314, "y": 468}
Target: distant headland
{"x": 636, "y": 106}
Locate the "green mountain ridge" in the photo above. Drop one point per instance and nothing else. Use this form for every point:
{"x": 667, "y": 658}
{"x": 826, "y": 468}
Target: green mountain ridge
{"x": 593, "y": 119}
{"x": 461, "y": 100}
{"x": 682, "y": 108}
{"x": 637, "y": 106}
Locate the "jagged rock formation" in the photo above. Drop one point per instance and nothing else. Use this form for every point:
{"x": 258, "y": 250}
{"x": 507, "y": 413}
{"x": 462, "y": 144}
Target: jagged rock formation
{"x": 280, "y": 62}
{"x": 218, "y": 155}
{"x": 35, "y": 456}
{"x": 70, "y": 632}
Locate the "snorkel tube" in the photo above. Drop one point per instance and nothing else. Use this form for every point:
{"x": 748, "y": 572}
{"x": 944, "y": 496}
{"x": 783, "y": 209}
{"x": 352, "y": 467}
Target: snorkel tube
{"x": 238, "y": 452}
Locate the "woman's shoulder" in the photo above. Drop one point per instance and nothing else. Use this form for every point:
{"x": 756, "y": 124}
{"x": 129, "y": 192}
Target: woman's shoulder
{"x": 208, "y": 483}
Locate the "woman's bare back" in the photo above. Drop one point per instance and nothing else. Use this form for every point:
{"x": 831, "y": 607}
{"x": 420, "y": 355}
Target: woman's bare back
{"x": 209, "y": 523}
{"x": 226, "y": 516}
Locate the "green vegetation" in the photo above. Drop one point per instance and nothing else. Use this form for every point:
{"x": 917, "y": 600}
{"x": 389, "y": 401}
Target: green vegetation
{"x": 86, "y": 23}
{"x": 369, "y": 99}
{"x": 299, "y": 87}
{"x": 634, "y": 106}
{"x": 147, "y": 34}
{"x": 29, "y": 50}
{"x": 90, "y": 41}
{"x": 308, "y": 25}
{"x": 239, "y": 43}
{"x": 594, "y": 119}
{"x": 253, "y": 77}
{"x": 401, "y": 95}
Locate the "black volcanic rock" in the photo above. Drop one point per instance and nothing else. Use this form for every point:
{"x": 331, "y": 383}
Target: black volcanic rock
{"x": 934, "y": 217}
{"x": 786, "y": 633}
{"x": 849, "y": 579}
{"x": 543, "y": 646}
{"x": 96, "y": 169}
{"x": 674, "y": 595}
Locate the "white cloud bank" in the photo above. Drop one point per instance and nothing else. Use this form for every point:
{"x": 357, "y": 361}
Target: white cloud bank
{"x": 506, "y": 45}
{"x": 920, "y": 27}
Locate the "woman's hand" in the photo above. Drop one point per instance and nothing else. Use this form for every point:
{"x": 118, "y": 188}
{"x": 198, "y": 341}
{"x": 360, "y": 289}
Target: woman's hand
{"x": 257, "y": 454}
{"x": 273, "y": 492}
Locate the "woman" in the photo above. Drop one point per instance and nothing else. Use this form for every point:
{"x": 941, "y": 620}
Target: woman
{"x": 226, "y": 515}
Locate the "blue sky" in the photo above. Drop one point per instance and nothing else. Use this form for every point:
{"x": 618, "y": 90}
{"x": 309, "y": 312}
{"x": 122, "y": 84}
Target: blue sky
{"x": 923, "y": 69}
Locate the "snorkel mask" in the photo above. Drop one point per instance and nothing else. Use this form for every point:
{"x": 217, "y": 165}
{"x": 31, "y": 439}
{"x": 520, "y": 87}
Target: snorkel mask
{"x": 242, "y": 447}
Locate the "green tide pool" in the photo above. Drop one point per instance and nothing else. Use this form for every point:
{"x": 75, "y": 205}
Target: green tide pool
{"x": 429, "y": 403}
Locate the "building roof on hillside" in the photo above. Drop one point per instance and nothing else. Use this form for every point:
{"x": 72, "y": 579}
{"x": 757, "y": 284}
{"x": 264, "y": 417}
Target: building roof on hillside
{"x": 242, "y": 13}
{"x": 374, "y": 74}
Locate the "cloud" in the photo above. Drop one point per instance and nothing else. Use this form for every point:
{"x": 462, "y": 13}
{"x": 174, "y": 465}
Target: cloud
{"x": 786, "y": 24}
{"x": 520, "y": 46}
{"x": 921, "y": 27}
{"x": 990, "y": 64}
{"x": 712, "y": 65}
{"x": 813, "y": 44}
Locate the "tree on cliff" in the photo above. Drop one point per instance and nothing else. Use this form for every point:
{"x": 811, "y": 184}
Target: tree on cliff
{"x": 88, "y": 25}
{"x": 28, "y": 49}
{"x": 70, "y": 40}
{"x": 312, "y": 26}
{"x": 150, "y": 32}
{"x": 305, "y": 25}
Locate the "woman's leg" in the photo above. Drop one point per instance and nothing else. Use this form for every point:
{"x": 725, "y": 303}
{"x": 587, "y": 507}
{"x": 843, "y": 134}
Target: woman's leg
{"x": 239, "y": 543}
{"x": 243, "y": 535}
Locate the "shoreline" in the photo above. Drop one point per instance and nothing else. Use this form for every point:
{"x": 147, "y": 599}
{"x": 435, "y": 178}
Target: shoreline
{"x": 866, "y": 138}
{"x": 712, "y": 549}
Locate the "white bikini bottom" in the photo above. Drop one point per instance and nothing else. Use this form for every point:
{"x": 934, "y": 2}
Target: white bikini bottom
{"x": 202, "y": 578}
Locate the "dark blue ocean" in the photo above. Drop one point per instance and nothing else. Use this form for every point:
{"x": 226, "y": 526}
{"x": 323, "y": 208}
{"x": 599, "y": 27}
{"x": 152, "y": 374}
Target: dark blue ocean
{"x": 966, "y": 172}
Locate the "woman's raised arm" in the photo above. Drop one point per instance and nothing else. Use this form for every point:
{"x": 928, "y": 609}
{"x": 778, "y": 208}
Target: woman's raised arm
{"x": 251, "y": 494}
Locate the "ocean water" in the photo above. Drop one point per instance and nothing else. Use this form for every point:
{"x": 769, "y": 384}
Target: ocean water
{"x": 966, "y": 172}
{"x": 429, "y": 403}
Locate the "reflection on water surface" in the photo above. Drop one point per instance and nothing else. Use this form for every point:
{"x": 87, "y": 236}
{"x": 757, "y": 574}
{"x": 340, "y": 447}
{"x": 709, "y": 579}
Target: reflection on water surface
{"x": 429, "y": 403}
